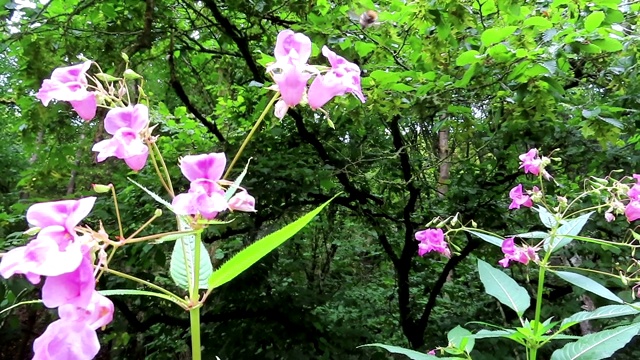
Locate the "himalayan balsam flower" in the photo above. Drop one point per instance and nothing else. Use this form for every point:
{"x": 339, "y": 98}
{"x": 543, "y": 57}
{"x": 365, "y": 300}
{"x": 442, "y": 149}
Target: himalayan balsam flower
{"x": 292, "y": 53}
{"x": 634, "y": 192}
{"x": 125, "y": 124}
{"x": 70, "y": 84}
{"x": 516, "y": 253}
{"x": 518, "y": 198}
{"x": 343, "y": 78}
{"x": 632, "y": 211}
{"x": 432, "y": 240}
{"x": 205, "y": 196}
{"x": 54, "y": 251}
{"x": 531, "y": 162}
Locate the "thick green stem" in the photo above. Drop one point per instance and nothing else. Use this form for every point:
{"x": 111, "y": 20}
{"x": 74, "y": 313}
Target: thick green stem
{"x": 253, "y": 130}
{"x": 194, "y": 317}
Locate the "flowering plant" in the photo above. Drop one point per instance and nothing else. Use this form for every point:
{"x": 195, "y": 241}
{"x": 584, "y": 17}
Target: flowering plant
{"x": 72, "y": 257}
{"x": 564, "y": 221}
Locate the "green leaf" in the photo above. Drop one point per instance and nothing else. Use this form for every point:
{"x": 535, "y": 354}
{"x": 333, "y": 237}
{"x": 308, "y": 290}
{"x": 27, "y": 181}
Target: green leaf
{"x": 486, "y": 334}
{"x": 532, "y": 235}
{"x": 600, "y": 345}
{"x": 604, "y": 312}
{"x": 594, "y": 20}
{"x": 400, "y": 87}
{"x": 139, "y": 293}
{"x": 181, "y": 267}
{"x": 256, "y": 251}
{"x": 461, "y": 338}
{"x": 588, "y": 284}
{"x": 547, "y": 218}
{"x": 411, "y": 354}
{"x": 155, "y": 196}
{"x": 488, "y": 238}
{"x": 539, "y": 22}
{"x": 496, "y": 35}
{"x": 468, "y": 57}
{"x": 232, "y": 189}
{"x": 608, "y": 44}
{"x": 502, "y": 287}
{"x": 364, "y": 48}
{"x": 571, "y": 227}
{"x": 467, "y": 76}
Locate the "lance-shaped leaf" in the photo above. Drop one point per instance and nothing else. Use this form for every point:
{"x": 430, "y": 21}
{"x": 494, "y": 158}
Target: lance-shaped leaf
{"x": 571, "y": 227}
{"x": 181, "y": 267}
{"x": 461, "y": 338}
{"x": 411, "y": 354}
{"x": 256, "y": 251}
{"x": 232, "y": 189}
{"x": 588, "y": 284}
{"x": 604, "y": 312}
{"x": 493, "y": 240}
{"x": 600, "y": 345}
{"x": 486, "y": 334}
{"x": 502, "y": 287}
{"x": 546, "y": 217}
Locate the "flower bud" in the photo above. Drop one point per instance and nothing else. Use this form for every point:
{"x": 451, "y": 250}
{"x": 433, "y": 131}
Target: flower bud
{"x": 157, "y": 213}
{"x": 106, "y": 77}
{"x": 32, "y": 231}
{"x": 131, "y": 75}
{"x": 100, "y": 189}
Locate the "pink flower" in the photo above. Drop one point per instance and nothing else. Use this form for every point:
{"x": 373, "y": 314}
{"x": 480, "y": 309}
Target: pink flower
{"x": 291, "y": 46}
{"x": 518, "y": 198}
{"x": 125, "y": 144}
{"x": 70, "y": 84}
{"x": 531, "y": 162}
{"x": 125, "y": 124}
{"x": 135, "y": 118}
{"x": 74, "y": 288}
{"x": 343, "y": 78}
{"x": 73, "y": 336}
{"x": 634, "y": 192}
{"x": 242, "y": 201}
{"x": 516, "y": 253}
{"x": 204, "y": 166}
{"x": 432, "y": 352}
{"x": 432, "y": 240}
{"x": 205, "y": 197}
{"x": 65, "y": 213}
{"x": 632, "y": 211}
{"x": 609, "y": 216}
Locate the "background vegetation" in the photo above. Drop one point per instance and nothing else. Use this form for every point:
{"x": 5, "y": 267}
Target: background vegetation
{"x": 456, "y": 90}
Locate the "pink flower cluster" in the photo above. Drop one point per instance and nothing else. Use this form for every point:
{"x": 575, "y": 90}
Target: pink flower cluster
{"x": 291, "y": 74}
{"x": 519, "y": 198}
{"x": 632, "y": 210}
{"x": 126, "y": 126}
{"x": 66, "y": 259}
{"x": 205, "y": 196}
{"x": 516, "y": 253}
{"x": 432, "y": 240}
{"x": 533, "y": 164}
{"x": 70, "y": 84}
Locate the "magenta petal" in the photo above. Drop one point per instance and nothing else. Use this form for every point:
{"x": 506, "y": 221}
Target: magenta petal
{"x": 67, "y": 213}
{"x": 292, "y": 46}
{"x": 242, "y": 201}
{"x": 324, "y": 88}
{"x": 98, "y": 313}
{"x": 292, "y": 84}
{"x": 66, "y": 340}
{"x": 185, "y": 204}
{"x": 75, "y": 288}
{"x": 204, "y": 166}
{"x": 135, "y": 118}
{"x": 137, "y": 162}
{"x": 73, "y": 73}
{"x": 87, "y": 107}
{"x": 632, "y": 211}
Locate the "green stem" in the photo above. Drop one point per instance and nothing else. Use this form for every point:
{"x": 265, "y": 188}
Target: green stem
{"x": 164, "y": 167}
{"x": 194, "y": 317}
{"x": 155, "y": 166}
{"x": 194, "y": 311}
{"x": 146, "y": 283}
{"x": 253, "y": 130}
{"x": 115, "y": 203}
{"x": 541, "y": 274}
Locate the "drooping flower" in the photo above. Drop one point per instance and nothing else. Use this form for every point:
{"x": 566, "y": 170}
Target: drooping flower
{"x": 518, "y": 198}
{"x": 126, "y": 125}
{"x": 205, "y": 197}
{"x": 343, "y": 78}
{"x": 73, "y": 336}
{"x": 531, "y": 162}
{"x": 634, "y": 192}
{"x": 609, "y": 216}
{"x": 632, "y": 211}
{"x": 75, "y": 288}
{"x": 289, "y": 72}
{"x": 242, "y": 201}
{"x": 432, "y": 240}
{"x": 70, "y": 84}
{"x": 516, "y": 253}
{"x": 54, "y": 251}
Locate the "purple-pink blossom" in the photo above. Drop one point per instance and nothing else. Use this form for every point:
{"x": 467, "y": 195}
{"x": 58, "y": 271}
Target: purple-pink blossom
{"x": 70, "y": 84}
{"x": 634, "y": 192}
{"x": 432, "y": 240}
{"x": 126, "y": 126}
{"x": 516, "y": 253}
{"x": 632, "y": 210}
{"x": 531, "y": 162}
{"x": 343, "y": 78}
{"x": 242, "y": 201}
{"x": 518, "y": 198}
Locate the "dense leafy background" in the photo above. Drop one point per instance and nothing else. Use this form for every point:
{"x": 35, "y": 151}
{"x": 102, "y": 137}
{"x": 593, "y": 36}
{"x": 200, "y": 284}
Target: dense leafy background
{"x": 456, "y": 90}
